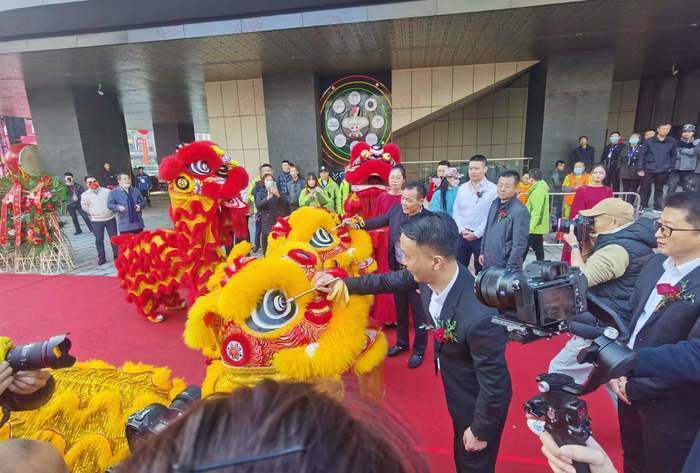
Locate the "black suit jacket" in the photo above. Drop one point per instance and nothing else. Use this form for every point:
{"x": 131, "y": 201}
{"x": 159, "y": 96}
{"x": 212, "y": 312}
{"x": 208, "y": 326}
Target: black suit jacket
{"x": 474, "y": 372}
{"x": 394, "y": 218}
{"x": 671, "y": 403}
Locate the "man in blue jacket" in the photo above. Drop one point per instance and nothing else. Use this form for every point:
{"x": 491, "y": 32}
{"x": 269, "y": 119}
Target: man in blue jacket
{"x": 657, "y": 158}
{"x": 127, "y": 204}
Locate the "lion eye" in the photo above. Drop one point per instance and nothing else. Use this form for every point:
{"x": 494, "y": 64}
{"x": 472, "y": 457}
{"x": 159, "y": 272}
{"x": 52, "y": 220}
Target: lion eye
{"x": 272, "y": 313}
{"x": 200, "y": 167}
{"x": 321, "y": 238}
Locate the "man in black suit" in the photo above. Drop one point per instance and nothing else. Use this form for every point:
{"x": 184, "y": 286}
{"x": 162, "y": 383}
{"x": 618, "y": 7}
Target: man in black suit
{"x": 659, "y": 417}
{"x": 471, "y": 355}
{"x": 411, "y": 206}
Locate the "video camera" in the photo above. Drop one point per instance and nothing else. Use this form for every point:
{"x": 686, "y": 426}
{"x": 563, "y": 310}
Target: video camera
{"x": 153, "y": 419}
{"x": 543, "y": 300}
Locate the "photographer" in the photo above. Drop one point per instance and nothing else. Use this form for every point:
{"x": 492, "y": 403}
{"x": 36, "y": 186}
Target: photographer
{"x": 622, "y": 247}
{"x": 679, "y": 362}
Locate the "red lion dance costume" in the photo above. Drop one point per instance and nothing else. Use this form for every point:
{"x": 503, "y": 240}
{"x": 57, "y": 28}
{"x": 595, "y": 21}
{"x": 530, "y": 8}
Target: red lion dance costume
{"x": 368, "y": 176}
{"x": 206, "y": 210}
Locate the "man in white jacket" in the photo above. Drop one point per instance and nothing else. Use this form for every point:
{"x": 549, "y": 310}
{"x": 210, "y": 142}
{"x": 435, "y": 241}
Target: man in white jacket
{"x": 94, "y": 202}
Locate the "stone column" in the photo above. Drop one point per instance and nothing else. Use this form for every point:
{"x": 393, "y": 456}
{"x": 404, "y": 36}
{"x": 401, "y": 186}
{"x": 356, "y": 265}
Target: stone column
{"x": 168, "y": 136}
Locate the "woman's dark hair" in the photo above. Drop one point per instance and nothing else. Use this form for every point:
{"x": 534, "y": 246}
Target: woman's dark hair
{"x": 280, "y": 427}
{"x": 688, "y": 201}
{"x": 443, "y": 188}
{"x": 438, "y": 231}
{"x": 309, "y": 176}
{"x": 400, "y": 168}
{"x": 582, "y": 136}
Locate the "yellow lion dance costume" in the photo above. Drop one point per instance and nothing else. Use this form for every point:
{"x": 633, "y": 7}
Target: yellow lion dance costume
{"x": 246, "y": 325}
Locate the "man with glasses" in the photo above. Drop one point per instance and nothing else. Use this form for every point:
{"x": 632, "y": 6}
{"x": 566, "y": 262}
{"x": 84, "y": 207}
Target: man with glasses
{"x": 659, "y": 418}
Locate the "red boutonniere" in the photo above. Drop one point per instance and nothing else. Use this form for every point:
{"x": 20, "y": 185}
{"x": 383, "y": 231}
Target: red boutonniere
{"x": 479, "y": 194}
{"x": 501, "y": 214}
{"x": 670, "y": 293}
{"x": 443, "y": 332}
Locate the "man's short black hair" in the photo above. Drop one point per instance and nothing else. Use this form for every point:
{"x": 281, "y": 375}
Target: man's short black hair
{"x": 559, "y": 161}
{"x": 140, "y": 168}
{"x": 511, "y": 173}
{"x": 285, "y": 161}
{"x": 582, "y": 136}
{"x": 419, "y": 187}
{"x": 444, "y": 162}
{"x": 664, "y": 123}
{"x": 438, "y": 231}
{"x": 615, "y": 133}
{"x": 66, "y": 174}
{"x": 479, "y": 157}
{"x": 535, "y": 174}
{"x": 265, "y": 165}
{"x": 90, "y": 177}
{"x": 688, "y": 201}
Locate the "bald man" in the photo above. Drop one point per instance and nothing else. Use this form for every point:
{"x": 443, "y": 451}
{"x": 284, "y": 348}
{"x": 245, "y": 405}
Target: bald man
{"x": 30, "y": 456}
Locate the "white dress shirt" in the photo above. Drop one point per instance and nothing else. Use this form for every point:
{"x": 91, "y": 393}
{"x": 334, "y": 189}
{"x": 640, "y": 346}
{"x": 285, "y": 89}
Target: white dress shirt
{"x": 470, "y": 210}
{"x": 438, "y": 300}
{"x": 672, "y": 275}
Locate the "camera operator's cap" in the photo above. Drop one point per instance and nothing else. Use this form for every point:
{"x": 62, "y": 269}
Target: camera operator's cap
{"x": 323, "y": 169}
{"x": 688, "y": 127}
{"x": 612, "y": 206}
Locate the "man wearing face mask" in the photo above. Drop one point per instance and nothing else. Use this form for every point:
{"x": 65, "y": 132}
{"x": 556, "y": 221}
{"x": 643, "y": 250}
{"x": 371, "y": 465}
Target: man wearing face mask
{"x": 622, "y": 247}
{"x": 94, "y": 202}
{"x": 683, "y": 173}
{"x": 610, "y": 158}
{"x": 127, "y": 203}
{"x": 75, "y": 191}
{"x": 573, "y": 181}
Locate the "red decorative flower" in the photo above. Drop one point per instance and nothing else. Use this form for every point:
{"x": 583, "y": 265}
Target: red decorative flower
{"x": 443, "y": 332}
{"x": 439, "y": 334}
{"x": 666, "y": 289}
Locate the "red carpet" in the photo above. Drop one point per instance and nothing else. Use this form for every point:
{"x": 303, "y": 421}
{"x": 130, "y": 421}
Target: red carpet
{"x": 104, "y": 326}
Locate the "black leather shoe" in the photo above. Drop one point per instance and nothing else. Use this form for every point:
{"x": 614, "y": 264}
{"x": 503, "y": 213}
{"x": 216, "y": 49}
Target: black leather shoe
{"x": 415, "y": 360}
{"x": 395, "y": 350}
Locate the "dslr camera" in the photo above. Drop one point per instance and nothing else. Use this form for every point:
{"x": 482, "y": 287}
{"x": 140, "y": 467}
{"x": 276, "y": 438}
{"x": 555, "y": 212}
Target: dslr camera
{"x": 53, "y": 353}
{"x": 153, "y": 419}
{"x": 583, "y": 227}
{"x": 536, "y": 302}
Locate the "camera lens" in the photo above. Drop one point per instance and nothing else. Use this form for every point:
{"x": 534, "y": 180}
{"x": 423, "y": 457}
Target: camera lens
{"x": 51, "y": 353}
{"x": 495, "y": 287}
{"x": 186, "y": 398}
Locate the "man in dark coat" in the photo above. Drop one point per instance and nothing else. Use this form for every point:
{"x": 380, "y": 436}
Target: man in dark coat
{"x": 583, "y": 153}
{"x": 470, "y": 350}
{"x": 610, "y": 158}
{"x": 504, "y": 244}
{"x": 656, "y": 160}
{"x": 75, "y": 190}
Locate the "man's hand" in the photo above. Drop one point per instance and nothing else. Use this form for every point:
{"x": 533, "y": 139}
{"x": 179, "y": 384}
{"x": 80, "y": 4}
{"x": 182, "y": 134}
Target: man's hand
{"x": 481, "y": 260}
{"x": 619, "y": 386}
{"x": 472, "y": 443}
{"x": 6, "y": 377}
{"x": 640, "y": 173}
{"x": 121, "y": 208}
{"x": 137, "y": 208}
{"x": 348, "y": 222}
{"x": 469, "y": 235}
{"x": 322, "y": 282}
{"x": 29, "y": 382}
{"x": 570, "y": 237}
{"x": 561, "y": 458}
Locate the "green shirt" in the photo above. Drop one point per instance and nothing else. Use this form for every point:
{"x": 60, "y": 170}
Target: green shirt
{"x": 538, "y": 206}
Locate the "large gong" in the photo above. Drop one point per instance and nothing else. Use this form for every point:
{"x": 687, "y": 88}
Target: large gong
{"x": 23, "y": 159}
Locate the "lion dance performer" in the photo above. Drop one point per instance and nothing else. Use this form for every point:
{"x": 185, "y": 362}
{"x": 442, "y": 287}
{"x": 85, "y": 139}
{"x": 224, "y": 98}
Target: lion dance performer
{"x": 206, "y": 210}
{"x": 259, "y": 319}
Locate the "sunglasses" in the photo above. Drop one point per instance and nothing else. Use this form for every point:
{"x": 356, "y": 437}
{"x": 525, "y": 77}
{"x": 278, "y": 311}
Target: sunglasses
{"x": 667, "y": 231}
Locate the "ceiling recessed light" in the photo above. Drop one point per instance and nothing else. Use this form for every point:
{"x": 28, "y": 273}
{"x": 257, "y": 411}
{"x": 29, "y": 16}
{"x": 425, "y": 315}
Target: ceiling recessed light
{"x": 579, "y": 34}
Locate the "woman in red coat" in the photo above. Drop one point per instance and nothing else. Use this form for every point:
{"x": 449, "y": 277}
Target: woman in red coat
{"x": 384, "y": 309}
{"x": 586, "y": 197}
